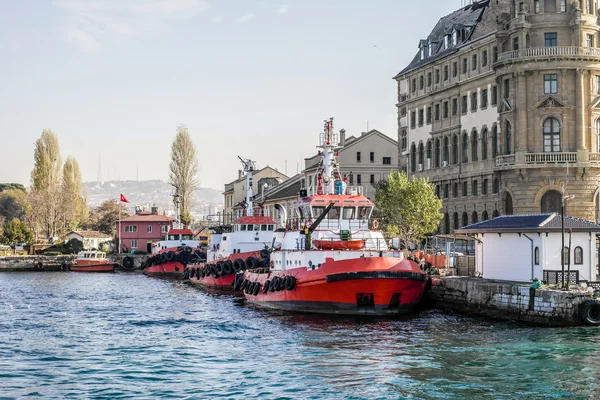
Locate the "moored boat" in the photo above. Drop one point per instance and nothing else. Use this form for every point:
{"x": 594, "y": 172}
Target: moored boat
{"x": 245, "y": 245}
{"x": 92, "y": 261}
{"x": 170, "y": 256}
{"x": 331, "y": 273}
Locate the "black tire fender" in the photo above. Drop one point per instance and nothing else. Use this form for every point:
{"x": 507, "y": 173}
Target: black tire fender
{"x": 290, "y": 282}
{"x": 228, "y": 267}
{"x": 589, "y": 312}
{"x": 128, "y": 262}
{"x": 266, "y": 286}
{"x": 251, "y": 262}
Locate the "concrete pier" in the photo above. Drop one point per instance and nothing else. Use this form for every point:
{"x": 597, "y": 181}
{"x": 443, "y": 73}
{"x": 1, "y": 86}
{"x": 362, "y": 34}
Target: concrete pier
{"x": 508, "y": 301}
{"x": 54, "y": 263}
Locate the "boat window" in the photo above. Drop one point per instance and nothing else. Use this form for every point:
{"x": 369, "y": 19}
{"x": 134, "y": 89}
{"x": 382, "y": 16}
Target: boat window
{"x": 334, "y": 213}
{"x": 317, "y": 211}
{"x": 271, "y": 227}
{"x": 348, "y": 212}
{"x": 187, "y": 237}
{"x": 243, "y": 227}
{"x": 363, "y": 212}
{"x": 263, "y": 227}
{"x": 257, "y": 227}
{"x": 92, "y": 255}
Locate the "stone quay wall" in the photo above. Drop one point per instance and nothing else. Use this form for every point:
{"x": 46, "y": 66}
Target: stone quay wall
{"x": 54, "y": 263}
{"x": 507, "y": 301}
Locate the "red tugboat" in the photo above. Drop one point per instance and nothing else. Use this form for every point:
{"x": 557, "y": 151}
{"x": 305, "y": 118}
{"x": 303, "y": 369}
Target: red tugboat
{"x": 330, "y": 274}
{"x": 233, "y": 249}
{"x": 170, "y": 256}
{"x": 92, "y": 261}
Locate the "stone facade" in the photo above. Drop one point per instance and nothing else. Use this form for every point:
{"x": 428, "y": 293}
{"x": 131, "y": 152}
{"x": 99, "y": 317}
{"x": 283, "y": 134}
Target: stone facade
{"x": 508, "y": 301}
{"x": 527, "y": 124}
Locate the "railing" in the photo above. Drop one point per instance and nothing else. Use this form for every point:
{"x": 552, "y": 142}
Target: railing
{"x": 554, "y": 51}
{"x": 594, "y": 157}
{"x": 350, "y": 190}
{"x": 550, "y": 158}
{"x": 504, "y": 161}
{"x": 556, "y": 277}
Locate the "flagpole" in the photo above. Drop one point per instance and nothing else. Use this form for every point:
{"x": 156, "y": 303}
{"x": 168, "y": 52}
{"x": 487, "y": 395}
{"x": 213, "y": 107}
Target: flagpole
{"x": 119, "y": 204}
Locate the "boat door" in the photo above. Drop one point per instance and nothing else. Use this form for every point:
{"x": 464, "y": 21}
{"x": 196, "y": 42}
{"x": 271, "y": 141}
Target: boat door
{"x": 149, "y": 247}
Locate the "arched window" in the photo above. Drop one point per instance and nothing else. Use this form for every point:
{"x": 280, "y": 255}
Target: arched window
{"x": 536, "y": 256}
{"x": 429, "y": 154}
{"x": 413, "y": 158}
{"x": 578, "y": 255}
{"x": 474, "y": 146}
{"x": 456, "y": 221}
{"x": 551, "y": 202}
{"x": 474, "y": 217}
{"x": 455, "y": 190}
{"x": 465, "y": 148}
{"x": 484, "y": 144}
{"x": 507, "y": 138}
{"x": 446, "y": 150}
{"x": 455, "y": 149}
{"x": 465, "y": 219}
{"x": 421, "y": 154}
{"x": 495, "y": 214}
{"x": 446, "y": 223}
{"x": 496, "y": 186}
{"x": 551, "y": 135}
{"x": 508, "y": 203}
{"x": 597, "y": 125}
{"x": 484, "y": 216}
{"x": 494, "y": 141}
{"x": 565, "y": 256}
{"x": 437, "y": 153}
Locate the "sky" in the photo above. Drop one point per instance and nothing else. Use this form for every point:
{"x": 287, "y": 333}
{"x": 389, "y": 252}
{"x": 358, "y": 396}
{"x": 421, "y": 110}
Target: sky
{"x": 252, "y": 78}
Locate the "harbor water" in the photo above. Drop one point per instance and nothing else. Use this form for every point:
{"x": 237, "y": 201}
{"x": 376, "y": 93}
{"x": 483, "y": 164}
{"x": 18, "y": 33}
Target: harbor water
{"x": 118, "y": 336}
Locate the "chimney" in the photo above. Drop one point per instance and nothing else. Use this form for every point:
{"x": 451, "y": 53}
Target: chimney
{"x": 342, "y": 142}
{"x": 154, "y": 210}
{"x": 240, "y": 174}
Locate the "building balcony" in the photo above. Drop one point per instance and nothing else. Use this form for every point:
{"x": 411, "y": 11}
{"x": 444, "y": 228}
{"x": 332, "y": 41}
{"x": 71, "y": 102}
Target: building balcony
{"x": 545, "y": 53}
{"x": 534, "y": 160}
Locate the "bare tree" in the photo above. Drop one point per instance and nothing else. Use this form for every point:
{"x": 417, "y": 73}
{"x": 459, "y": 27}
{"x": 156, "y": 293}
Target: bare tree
{"x": 183, "y": 170}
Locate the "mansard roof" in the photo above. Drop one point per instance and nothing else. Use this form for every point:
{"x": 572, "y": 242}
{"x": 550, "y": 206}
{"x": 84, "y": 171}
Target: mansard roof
{"x": 530, "y": 223}
{"x": 469, "y": 17}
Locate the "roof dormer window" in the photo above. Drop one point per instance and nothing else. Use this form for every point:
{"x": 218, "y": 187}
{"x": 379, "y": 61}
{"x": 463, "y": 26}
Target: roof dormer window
{"x": 430, "y": 48}
{"x": 422, "y": 52}
{"x": 454, "y": 37}
{"x": 446, "y": 40}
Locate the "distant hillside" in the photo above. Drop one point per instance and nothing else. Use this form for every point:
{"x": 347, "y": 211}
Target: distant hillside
{"x": 151, "y": 193}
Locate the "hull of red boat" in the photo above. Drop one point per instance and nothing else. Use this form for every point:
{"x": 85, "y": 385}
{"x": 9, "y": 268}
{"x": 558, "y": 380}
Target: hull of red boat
{"x": 363, "y": 286}
{"x": 170, "y": 270}
{"x": 224, "y": 282}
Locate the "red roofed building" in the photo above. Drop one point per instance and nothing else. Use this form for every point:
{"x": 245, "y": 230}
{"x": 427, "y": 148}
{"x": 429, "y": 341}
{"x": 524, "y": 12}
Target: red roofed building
{"x": 138, "y": 231}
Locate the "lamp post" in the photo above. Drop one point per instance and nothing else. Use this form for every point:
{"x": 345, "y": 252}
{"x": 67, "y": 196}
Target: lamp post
{"x": 562, "y": 228}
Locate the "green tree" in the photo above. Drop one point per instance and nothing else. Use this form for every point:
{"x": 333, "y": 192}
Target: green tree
{"x": 104, "y": 217}
{"x": 12, "y": 204}
{"x": 183, "y": 169}
{"x": 409, "y": 209}
{"x": 8, "y": 186}
{"x": 15, "y": 231}
{"x": 73, "y": 246}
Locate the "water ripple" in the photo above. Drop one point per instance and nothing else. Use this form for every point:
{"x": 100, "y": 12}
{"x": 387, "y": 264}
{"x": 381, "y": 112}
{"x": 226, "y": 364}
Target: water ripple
{"x": 125, "y": 336}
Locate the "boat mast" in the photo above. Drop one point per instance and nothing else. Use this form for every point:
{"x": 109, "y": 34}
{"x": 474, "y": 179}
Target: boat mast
{"x": 328, "y": 146}
{"x": 249, "y": 167}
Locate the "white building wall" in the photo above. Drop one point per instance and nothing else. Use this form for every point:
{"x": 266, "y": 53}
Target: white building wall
{"x": 551, "y": 254}
{"x": 477, "y": 119}
{"x": 507, "y": 257}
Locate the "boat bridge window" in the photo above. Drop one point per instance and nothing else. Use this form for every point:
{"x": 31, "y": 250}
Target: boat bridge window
{"x": 348, "y": 212}
{"x": 334, "y": 213}
{"x": 92, "y": 255}
{"x": 187, "y": 237}
{"x": 271, "y": 227}
{"x": 243, "y": 227}
{"x": 317, "y": 211}
{"x": 263, "y": 227}
{"x": 363, "y": 212}
{"x": 257, "y": 227}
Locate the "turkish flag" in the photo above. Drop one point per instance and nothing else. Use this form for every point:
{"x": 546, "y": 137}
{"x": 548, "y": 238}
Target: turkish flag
{"x": 123, "y": 199}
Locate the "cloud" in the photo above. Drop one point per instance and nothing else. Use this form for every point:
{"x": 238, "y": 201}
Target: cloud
{"x": 90, "y": 23}
{"x": 217, "y": 20}
{"x": 282, "y": 9}
{"x": 246, "y": 18}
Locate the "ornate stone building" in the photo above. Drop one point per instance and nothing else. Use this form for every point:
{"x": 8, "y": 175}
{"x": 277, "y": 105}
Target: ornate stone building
{"x": 501, "y": 109}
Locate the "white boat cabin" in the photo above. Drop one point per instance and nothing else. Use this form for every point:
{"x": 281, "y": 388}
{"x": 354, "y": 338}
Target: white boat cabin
{"x": 176, "y": 238}
{"x": 249, "y": 233}
{"x": 91, "y": 255}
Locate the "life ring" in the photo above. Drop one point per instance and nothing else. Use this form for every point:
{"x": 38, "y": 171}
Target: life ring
{"x": 375, "y": 224}
{"x": 589, "y": 311}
